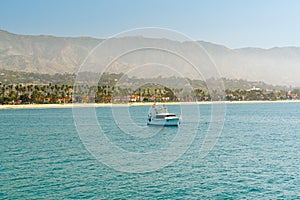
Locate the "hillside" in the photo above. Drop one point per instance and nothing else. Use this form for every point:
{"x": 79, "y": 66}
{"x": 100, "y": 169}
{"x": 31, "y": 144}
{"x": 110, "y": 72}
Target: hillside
{"x": 49, "y": 54}
{"x": 8, "y": 77}
{"x": 43, "y": 54}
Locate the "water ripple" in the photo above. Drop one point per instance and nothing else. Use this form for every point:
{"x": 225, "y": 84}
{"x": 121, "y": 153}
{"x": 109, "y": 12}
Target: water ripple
{"x": 256, "y": 157}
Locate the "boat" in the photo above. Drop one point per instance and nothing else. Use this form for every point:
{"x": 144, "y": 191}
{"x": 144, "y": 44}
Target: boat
{"x": 159, "y": 116}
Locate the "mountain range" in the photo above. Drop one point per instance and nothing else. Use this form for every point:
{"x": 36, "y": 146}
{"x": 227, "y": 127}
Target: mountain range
{"x": 50, "y": 54}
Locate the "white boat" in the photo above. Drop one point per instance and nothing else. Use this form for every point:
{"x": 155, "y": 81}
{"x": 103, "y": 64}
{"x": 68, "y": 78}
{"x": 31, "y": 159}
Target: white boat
{"x": 159, "y": 116}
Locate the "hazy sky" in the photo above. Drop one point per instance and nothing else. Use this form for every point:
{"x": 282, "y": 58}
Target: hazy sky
{"x": 233, "y": 23}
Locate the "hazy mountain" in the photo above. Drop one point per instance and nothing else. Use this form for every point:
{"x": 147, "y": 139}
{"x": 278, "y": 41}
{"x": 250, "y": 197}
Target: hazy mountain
{"x": 43, "y": 54}
{"x": 48, "y": 54}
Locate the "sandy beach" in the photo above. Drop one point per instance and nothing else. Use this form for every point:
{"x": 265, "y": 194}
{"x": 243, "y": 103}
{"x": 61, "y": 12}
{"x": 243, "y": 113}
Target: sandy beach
{"x": 46, "y": 106}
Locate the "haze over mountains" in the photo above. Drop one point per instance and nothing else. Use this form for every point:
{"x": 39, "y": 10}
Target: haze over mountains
{"x": 49, "y": 54}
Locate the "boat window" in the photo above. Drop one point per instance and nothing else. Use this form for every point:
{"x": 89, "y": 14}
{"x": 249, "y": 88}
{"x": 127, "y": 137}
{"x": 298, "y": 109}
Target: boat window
{"x": 171, "y": 115}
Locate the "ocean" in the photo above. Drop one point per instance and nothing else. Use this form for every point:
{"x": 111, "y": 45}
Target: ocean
{"x": 110, "y": 153}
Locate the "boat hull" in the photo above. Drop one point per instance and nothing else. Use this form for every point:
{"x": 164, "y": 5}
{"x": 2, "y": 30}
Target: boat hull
{"x": 163, "y": 122}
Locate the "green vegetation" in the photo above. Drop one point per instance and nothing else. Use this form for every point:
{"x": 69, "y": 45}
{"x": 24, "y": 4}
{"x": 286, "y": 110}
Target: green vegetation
{"x": 27, "y": 88}
{"x": 39, "y": 94}
{"x": 13, "y": 77}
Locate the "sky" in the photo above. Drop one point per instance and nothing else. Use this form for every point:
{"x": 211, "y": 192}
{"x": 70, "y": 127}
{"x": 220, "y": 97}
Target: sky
{"x": 233, "y": 23}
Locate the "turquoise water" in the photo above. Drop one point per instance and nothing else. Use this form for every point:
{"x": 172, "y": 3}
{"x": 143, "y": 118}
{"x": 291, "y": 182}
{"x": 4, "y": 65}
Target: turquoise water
{"x": 256, "y": 156}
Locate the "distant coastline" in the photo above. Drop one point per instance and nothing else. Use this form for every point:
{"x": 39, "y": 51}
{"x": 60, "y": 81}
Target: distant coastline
{"x": 70, "y": 105}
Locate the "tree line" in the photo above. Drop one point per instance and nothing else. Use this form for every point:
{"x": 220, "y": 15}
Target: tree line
{"x": 54, "y": 93}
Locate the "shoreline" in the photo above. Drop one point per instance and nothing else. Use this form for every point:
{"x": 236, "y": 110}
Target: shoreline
{"x": 46, "y": 106}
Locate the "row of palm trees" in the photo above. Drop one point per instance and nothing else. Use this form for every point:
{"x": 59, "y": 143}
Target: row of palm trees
{"x": 48, "y": 93}
{"x": 107, "y": 94}
{"x": 258, "y": 94}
